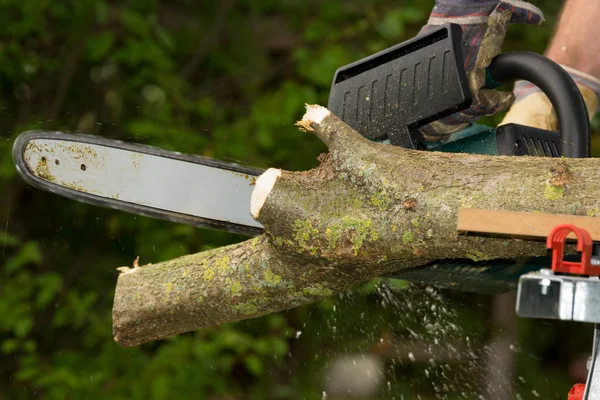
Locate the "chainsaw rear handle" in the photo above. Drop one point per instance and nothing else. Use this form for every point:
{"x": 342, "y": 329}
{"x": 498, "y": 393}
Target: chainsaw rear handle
{"x": 557, "y": 84}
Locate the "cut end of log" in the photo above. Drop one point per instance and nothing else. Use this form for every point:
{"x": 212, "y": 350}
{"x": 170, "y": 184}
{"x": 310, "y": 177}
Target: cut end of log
{"x": 262, "y": 188}
{"x": 314, "y": 113}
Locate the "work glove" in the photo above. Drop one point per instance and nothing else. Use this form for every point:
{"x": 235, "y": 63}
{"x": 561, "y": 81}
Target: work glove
{"x": 484, "y": 24}
{"x": 533, "y": 108}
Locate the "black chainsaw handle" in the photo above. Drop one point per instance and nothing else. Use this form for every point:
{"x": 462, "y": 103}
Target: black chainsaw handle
{"x": 557, "y": 84}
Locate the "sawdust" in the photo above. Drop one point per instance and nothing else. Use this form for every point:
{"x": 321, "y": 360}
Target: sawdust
{"x": 43, "y": 171}
{"x": 304, "y": 125}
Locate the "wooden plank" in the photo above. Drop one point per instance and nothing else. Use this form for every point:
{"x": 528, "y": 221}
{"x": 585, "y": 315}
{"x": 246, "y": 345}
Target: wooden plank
{"x": 521, "y": 223}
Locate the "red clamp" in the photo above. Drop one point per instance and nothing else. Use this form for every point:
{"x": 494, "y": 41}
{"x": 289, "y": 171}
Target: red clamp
{"x": 556, "y": 242}
{"x": 577, "y": 392}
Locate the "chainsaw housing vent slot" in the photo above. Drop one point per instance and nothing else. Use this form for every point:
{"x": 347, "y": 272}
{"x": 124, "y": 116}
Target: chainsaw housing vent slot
{"x": 520, "y": 140}
{"x": 389, "y": 55}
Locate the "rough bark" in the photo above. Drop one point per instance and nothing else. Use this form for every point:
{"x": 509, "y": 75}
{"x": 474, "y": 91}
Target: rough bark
{"x": 368, "y": 210}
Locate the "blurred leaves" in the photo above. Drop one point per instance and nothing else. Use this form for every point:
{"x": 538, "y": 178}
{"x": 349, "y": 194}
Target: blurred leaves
{"x": 28, "y": 253}
{"x": 99, "y": 46}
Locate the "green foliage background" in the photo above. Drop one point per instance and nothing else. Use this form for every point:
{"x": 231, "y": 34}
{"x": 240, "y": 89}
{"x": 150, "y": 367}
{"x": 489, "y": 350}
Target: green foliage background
{"x": 225, "y": 79}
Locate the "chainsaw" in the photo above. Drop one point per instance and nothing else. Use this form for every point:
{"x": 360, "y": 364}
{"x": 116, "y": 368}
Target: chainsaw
{"x": 386, "y": 97}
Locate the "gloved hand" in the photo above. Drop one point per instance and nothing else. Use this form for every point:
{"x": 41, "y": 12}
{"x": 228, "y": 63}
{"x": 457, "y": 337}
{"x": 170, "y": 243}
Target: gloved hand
{"x": 484, "y": 24}
{"x": 533, "y": 108}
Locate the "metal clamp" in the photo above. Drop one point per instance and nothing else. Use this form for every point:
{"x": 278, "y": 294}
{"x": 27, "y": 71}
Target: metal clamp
{"x": 574, "y": 297}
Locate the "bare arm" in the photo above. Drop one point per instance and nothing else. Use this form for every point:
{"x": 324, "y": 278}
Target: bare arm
{"x": 576, "y": 46}
{"x": 576, "y": 42}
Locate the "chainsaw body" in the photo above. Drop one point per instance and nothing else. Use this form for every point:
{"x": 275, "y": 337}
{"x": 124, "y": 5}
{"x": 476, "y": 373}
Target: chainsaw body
{"x": 389, "y": 95}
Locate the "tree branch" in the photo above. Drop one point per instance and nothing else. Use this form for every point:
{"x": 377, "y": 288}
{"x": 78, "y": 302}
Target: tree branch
{"x": 368, "y": 210}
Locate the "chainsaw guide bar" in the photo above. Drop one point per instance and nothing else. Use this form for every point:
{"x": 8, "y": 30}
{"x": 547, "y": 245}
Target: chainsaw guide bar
{"x": 140, "y": 179}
